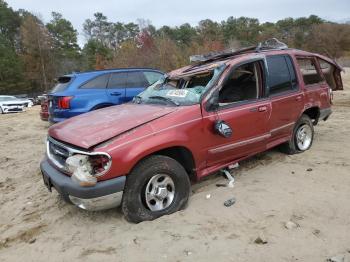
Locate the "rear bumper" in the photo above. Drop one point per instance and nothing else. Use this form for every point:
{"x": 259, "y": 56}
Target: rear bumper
{"x": 44, "y": 116}
{"x": 104, "y": 195}
{"x": 325, "y": 113}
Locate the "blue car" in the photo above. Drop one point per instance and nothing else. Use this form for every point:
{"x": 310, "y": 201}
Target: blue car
{"x": 79, "y": 93}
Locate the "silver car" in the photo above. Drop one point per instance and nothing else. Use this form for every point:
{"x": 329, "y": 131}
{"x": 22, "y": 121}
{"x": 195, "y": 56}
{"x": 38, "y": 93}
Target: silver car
{"x": 10, "y": 104}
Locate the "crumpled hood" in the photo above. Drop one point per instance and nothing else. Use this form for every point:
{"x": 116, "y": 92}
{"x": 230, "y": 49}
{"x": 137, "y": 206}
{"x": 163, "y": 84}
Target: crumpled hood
{"x": 95, "y": 127}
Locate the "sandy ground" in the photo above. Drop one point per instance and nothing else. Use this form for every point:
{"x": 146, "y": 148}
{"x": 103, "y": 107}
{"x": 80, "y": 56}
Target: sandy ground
{"x": 311, "y": 189}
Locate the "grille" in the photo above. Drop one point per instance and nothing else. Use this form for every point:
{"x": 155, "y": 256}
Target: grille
{"x": 58, "y": 153}
{"x": 14, "y": 105}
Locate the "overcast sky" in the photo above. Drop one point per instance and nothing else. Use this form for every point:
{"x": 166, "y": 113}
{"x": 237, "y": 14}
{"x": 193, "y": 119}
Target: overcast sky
{"x": 177, "y": 12}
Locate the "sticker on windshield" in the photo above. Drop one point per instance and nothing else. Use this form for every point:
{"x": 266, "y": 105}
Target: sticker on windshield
{"x": 177, "y": 93}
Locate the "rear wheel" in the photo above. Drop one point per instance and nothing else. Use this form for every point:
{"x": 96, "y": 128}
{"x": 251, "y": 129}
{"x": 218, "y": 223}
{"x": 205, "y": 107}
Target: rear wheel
{"x": 302, "y": 137}
{"x": 157, "y": 186}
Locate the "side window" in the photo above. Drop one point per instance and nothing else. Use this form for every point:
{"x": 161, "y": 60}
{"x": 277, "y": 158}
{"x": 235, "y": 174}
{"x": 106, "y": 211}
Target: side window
{"x": 99, "y": 82}
{"x": 152, "y": 77}
{"x": 118, "y": 80}
{"x": 137, "y": 79}
{"x": 243, "y": 84}
{"x": 328, "y": 72}
{"x": 281, "y": 74}
{"x": 309, "y": 71}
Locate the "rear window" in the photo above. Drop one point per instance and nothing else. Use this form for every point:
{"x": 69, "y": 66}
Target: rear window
{"x": 309, "y": 71}
{"x": 62, "y": 83}
{"x": 281, "y": 74}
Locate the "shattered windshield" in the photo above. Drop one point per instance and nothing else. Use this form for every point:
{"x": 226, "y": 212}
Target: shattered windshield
{"x": 183, "y": 90}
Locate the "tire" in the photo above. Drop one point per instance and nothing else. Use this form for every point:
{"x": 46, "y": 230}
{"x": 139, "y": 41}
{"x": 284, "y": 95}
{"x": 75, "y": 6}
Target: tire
{"x": 1, "y": 111}
{"x": 172, "y": 195}
{"x": 295, "y": 145}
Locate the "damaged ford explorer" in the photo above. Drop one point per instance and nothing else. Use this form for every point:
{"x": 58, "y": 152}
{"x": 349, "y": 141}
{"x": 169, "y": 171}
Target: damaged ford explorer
{"x": 195, "y": 121}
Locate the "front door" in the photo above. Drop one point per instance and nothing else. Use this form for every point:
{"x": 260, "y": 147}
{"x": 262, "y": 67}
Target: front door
{"x": 243, "y": 108}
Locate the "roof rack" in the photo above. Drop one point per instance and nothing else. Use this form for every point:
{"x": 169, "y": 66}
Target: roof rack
{"x": 270, "y": 44}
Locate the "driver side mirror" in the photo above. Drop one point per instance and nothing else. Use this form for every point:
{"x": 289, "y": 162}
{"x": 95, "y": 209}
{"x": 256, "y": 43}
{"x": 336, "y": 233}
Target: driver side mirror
{"x": 223, "y": 129}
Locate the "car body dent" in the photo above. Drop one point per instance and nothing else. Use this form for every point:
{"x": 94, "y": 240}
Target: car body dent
{"x": 107, "y": 123}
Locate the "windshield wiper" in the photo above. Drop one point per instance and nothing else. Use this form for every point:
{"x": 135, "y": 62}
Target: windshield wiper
{"x": 165, "y": 99}
{"x": 137, "y": 99}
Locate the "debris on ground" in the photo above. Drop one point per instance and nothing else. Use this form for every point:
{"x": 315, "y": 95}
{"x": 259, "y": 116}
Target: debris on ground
{"x": 230, "y": 202}
{"x": 187, "y": 252}
{"x": 291, "y": 225}
{"x": 260, "y": 240}
{"x": 316, "y": 232}
{"x": 338, "y": 258}
{"x": 309, "y": 169}
{"x": 32, "y": 241}
{"x": 208, "y": 196}
{"x": 230, "y": 178}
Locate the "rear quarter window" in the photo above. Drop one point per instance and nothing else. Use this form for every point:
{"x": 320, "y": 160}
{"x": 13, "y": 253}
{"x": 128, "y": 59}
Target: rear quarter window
{"x": 309, "y": 71}
{"x": 99, "y": 82}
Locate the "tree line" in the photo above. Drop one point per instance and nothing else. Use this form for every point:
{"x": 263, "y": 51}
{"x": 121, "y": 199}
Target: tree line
{"x": 33, "y": 54}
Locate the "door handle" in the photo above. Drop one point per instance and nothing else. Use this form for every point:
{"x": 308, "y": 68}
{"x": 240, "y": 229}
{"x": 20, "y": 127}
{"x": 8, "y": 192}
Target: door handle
{"x": 298, "y": 98}
{"x": 116, "y": 94}
{"x": 262, "y": 108}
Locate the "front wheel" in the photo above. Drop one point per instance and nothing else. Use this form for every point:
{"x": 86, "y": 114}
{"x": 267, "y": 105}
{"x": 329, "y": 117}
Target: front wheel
{"x": 157, "y": 186}
{"x": 302, "y": 137}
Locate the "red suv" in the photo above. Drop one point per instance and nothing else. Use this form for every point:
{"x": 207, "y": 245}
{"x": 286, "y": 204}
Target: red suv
{"x": 193, "y": 122}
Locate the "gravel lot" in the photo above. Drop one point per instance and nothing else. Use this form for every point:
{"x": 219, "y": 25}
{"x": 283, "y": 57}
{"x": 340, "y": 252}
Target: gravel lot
{"x": 312, "y": 190}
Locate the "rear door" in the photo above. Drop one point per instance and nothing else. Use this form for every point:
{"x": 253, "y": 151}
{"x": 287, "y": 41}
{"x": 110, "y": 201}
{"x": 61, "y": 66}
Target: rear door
{"x": 116, "y": 87}
{"x": 137, "y": 81}
{"x": 285, "y": 95}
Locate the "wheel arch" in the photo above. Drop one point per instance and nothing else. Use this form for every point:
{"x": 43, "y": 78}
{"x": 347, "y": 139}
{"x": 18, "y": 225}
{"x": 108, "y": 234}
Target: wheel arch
{"x": 101, "y": 105}
{"x": 313, "y": 113}
{"x": 179, "y": 153}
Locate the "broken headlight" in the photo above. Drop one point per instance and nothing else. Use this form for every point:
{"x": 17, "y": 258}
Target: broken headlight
{"x": 100, "y": 164}
{"x": 86, "y": 168}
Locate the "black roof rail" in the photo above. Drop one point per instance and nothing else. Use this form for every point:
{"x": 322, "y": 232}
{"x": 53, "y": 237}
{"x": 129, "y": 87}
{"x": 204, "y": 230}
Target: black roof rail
{"x": 117, "y": 68}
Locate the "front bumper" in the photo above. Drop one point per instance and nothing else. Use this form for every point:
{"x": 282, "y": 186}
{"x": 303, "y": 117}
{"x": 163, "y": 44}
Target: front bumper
{"x": 104, "y": 195}
{"x": 10, "y": 109}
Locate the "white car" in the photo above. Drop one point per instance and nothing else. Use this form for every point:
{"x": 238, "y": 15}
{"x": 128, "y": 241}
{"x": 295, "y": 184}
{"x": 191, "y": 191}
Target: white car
{"x": 10, "y": 104}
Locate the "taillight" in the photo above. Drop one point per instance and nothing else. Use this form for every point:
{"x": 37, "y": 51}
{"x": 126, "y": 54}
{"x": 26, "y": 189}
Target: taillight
{"x": 64, "y": 102}
{"x": 330, "y": 95}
